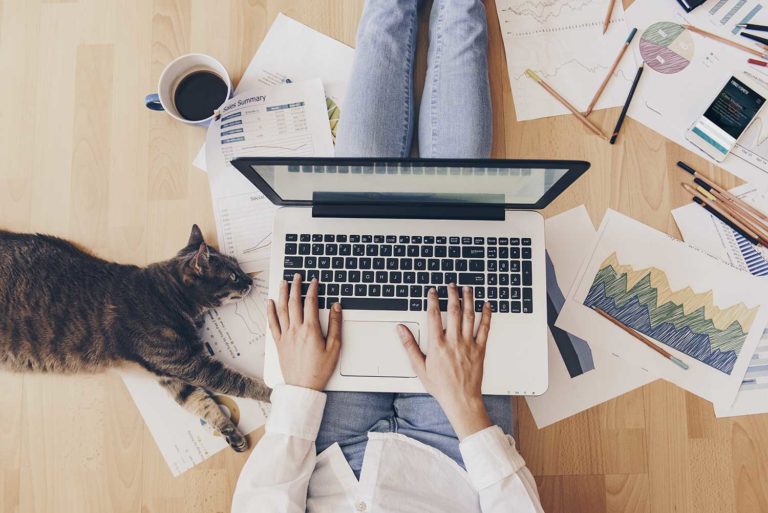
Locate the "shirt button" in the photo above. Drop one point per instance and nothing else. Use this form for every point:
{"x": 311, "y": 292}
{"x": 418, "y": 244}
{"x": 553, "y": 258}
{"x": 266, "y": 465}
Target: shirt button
{"x": 361, "y": 506}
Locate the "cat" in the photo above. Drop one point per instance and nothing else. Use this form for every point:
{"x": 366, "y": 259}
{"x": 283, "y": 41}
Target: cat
{"x": 65, "y": 310}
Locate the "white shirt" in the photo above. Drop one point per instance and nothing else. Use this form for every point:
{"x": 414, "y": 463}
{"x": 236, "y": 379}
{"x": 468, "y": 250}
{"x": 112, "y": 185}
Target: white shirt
{"x": 284, "y": 475}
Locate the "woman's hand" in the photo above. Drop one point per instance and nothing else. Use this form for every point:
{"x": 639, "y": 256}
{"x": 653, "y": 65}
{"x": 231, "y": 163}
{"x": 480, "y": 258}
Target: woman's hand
{"x": 307, "y": 359}
{"x": 453, "y": 370}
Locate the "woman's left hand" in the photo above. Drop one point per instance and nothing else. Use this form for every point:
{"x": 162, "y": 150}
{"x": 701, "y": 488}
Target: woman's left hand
{"x": 307, "y": 358}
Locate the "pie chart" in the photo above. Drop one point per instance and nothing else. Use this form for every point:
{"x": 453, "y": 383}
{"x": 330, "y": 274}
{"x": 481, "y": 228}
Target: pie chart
{"x": 666, "y": 47}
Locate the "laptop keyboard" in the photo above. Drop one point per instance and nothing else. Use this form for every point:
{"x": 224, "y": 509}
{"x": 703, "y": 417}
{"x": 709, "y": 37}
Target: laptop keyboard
{"x": 395, "y": 272}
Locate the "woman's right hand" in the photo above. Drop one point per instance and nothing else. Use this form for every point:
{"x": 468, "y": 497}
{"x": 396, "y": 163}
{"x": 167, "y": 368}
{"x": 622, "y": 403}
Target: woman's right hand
{"x": 452, "y": 372}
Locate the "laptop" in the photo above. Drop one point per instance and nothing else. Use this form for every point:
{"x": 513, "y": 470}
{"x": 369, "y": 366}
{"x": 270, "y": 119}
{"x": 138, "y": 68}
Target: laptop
{"x": 379, "y": 233}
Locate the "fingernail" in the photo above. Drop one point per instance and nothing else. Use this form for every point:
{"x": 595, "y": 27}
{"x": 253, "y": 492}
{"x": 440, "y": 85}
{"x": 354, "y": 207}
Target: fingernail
{"x": 401, "y": 332}
{"x": 296, "y": 275}
{"x": 432, "y": 291}
{"x": 336, "y": 307}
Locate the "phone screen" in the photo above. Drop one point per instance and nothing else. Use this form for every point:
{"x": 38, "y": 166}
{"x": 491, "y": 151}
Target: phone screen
{"x": 729, "y": 115}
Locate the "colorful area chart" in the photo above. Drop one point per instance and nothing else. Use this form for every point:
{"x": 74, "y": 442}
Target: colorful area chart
{"x": 666, "y": 47}
{"x": 683, "y": 319}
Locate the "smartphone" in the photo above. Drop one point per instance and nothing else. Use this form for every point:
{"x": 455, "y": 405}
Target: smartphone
{"x": 729, "y": 115}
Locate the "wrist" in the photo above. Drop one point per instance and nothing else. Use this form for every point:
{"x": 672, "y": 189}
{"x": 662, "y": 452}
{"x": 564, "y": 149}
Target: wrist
{"x": 467, "y": 416}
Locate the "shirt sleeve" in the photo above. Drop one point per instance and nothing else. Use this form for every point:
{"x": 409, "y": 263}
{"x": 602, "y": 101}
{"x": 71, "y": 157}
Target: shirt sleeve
{"x": 499, "y": 473}
{"x": 276, "y": 476}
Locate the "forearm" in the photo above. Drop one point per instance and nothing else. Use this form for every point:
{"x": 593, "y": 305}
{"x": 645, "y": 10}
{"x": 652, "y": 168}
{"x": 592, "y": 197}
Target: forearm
{"x": 276, "y": 476}
{"x": 467, "y": 415}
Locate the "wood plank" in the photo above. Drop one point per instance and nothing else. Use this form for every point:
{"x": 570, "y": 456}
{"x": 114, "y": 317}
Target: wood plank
{"x": 91, "y": 145}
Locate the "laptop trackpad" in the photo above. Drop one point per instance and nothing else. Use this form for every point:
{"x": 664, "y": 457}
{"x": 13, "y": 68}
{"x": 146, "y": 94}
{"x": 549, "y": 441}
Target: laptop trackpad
{"x": 372, "y": 348}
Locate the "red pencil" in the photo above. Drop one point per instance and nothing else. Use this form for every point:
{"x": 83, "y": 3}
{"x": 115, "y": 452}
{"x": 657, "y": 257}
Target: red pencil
{"x": 756, "y": 62}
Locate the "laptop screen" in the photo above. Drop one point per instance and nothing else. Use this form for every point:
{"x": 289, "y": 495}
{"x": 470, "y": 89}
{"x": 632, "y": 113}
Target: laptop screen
{"x": 421, "y": 181}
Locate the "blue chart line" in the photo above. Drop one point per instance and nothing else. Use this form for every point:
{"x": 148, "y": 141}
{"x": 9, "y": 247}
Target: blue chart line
{"x": 719, "y": 5}
{"x": 747, "y": 18}
{"x": 756, "y": 263}
{"x": 732, "y": 12}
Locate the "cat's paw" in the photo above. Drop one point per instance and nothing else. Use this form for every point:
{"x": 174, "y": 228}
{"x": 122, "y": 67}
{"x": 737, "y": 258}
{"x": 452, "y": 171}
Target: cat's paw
{"x": 235, "y": 439}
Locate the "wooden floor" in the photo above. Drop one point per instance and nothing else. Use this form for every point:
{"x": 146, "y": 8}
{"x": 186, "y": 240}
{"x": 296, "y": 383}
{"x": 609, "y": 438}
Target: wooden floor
{"x": 80, "y": 157}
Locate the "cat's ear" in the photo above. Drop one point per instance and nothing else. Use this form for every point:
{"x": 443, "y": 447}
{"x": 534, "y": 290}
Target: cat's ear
{"x": 200, "y": 259}
{"x": 195, "y": 237}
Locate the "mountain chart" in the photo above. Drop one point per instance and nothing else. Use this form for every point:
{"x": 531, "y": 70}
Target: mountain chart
{"x": 685, "y": 320}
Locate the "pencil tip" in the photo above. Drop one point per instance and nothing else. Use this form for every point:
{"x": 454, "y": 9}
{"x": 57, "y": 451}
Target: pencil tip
{"x": 532, "y": 74}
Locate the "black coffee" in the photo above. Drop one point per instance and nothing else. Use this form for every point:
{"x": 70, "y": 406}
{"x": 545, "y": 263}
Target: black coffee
{"x": 199, "y": 94}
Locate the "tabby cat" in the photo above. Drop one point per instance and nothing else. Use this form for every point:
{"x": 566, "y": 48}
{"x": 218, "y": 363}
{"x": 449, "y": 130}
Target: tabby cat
{"x": 64, "y": 310}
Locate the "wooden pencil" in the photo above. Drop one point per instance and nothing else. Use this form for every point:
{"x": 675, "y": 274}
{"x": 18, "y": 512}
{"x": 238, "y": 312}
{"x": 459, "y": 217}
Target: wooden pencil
{"x": 726, "y": 216}
{"x": 610, "y": 72}
{"x": 754, "y": 223}
{"x": 725, "y": 41}
{"x": 591, "y": 126}
{"x": 607, "y": 19}
{"x": 724, "y": 192}
{"x": 648, "y": 343}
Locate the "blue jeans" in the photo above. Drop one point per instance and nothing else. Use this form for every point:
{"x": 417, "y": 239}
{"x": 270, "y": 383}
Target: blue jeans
{"x": 377, "y": 121}
{"x": 455, "y": 117}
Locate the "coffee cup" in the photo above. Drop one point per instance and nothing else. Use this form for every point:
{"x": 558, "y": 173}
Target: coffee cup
{"x": 191, "y": 88}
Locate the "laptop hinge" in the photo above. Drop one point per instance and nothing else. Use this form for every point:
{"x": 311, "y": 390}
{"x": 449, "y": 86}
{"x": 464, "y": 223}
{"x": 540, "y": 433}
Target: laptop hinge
{"x": 406, "y": 211}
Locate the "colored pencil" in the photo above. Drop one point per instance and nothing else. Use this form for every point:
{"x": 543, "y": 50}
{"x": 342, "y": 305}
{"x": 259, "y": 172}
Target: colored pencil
{"x": 607, "y": 19}
{"x": 644, "y": 340}
{"x": 725, "y": 41}
{"x": 724, "y": 216}
{"x": 610, "y": 72}
{"x": 761, "y": 40}
{"x": 743, "y": 218}
{"x": 532, "y": 74}
{"x": 626, "y": 104}
{"x": 751, "y": 26}
{"x": 757, "y": 62}
{"x": 757, "y": 214}
{"x": 749, "y": 219}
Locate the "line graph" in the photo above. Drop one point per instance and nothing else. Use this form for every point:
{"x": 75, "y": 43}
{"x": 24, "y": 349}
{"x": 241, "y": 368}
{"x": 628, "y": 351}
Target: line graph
{"x": 543, "y": 11}
{"x": 563, "y": 41}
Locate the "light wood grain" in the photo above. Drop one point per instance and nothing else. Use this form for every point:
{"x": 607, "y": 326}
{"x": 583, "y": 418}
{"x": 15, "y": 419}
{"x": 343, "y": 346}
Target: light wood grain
{"x": 80, "y": 157}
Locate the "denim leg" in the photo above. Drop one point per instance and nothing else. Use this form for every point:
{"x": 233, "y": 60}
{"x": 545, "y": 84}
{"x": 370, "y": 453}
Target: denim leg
{"x": 455, "y": 120}
{"x": 347, "y": 419}
{"x": 418, "y": 416}
{"x": 378, "y": 110}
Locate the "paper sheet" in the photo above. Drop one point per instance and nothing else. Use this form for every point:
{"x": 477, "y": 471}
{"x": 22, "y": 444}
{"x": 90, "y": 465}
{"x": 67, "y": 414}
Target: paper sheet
{"x": 283, "y": 120}
{"x": 695, "y": 69}
{"x": 233, "y": 334}
{"x": 563, "y": 42}
{"x": 706, "y": 232}
{"x": 706, "y": 313}
{"x": 294, "y": 52}
{"x": 581, "y": 374}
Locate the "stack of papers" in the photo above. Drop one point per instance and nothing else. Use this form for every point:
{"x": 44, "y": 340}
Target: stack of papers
{"x": 704, "y": 311}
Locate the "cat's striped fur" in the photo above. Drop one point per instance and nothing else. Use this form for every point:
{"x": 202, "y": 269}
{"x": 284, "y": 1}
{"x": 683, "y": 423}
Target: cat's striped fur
{"x": 65, "y": 310}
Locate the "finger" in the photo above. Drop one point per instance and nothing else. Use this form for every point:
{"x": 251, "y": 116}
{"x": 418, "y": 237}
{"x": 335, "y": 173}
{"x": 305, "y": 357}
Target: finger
{"x": 274, "y": 321}
{"x": 485, "y": 325}
{"x": 434, "y": 321}
{"x": 468, "y": 317}
{"x": 415, "y": 355}
{"x": 282, "y": 307}
{"x": 294, "y": 302}
{"x": 311, "y": 314}
{"x": 333, "y": 339}
{"x": 453, "y": 322}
